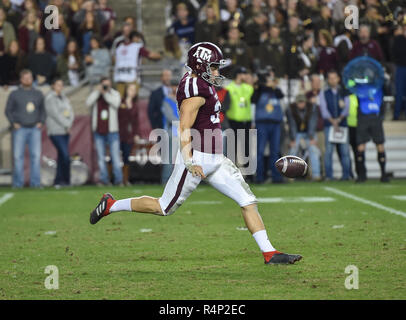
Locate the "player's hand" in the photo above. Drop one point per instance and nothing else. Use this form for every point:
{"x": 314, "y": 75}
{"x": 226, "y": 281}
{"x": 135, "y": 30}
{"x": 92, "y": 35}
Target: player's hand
{"x": 197, "y": 171}
{"x": 16, "y": 125}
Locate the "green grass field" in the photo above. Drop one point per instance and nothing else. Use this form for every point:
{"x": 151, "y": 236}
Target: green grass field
{"x": 200, "y": 252}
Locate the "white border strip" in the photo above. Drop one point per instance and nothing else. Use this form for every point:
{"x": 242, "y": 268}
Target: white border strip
{"x": 5, "y": 197}
{"x": 365, "y": 201}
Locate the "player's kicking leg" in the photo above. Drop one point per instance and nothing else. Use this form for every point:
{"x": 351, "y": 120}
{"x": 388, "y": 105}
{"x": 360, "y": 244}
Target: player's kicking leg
{"x": 228, "y": 180}
{"x": 108, "y": 204}
{"x": 178, "y": 188}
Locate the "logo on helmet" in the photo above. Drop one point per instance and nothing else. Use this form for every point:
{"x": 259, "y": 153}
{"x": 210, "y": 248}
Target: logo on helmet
{"x": 203, "y": 53}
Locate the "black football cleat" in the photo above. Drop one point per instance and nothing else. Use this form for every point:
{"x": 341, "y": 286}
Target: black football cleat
{"x": 283, "y": 258}
{"x": 102, "y": 209}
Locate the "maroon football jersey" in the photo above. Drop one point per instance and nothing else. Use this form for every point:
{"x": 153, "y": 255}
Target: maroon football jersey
{"x": 207, "y": 121}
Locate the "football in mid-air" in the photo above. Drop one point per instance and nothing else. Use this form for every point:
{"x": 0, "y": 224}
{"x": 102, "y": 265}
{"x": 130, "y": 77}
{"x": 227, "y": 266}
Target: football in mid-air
{"x": 291, "y": 166}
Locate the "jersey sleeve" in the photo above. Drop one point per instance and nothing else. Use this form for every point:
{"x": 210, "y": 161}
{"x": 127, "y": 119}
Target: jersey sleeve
{"x": 193, "y": 87}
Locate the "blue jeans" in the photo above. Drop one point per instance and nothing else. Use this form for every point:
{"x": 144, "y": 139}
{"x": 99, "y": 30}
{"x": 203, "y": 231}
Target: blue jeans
{"x": 113, "y": 141}
{"x": 268, "y": 132}
{"x": 328, "y": 157}
{"x": 32, "y": 138}
{"x": 314, "y": 154}
{"x": 400, "y": 103}
{"x": 61, "y": 143}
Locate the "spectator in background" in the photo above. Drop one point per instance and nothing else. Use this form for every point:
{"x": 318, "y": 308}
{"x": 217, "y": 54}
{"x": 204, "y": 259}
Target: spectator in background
{"x": 313, "y": 97}
{"x": 128, "y": 126}
{"x": 272, "y": 11}
{"x": 184, "y": 25}
{"x": 309, "y": 56}
{"x": 59, "y": 122}
{"x": 98, "y": 61}
{"x": 87, "y": 7}
{"x": 170, "y": 115}
{"x": 7, "y": 33}
{"x": 268, "y": 121}
{"x": 302, "y": 119}
{"x": 343, "y": 45}
{"x": 69, "y": 64}
{"x": 334, "y": 106}
{"x": 107, "y": 28}
{"x": 156, "y": 99}
{"x": 14, "y": 16}
{"x": 328, "y": 59}
{"x": 26, "y": 114}
{"x": 123, "y": 36}
{"x": 237, "y": 104}
{"x": 273, "y": 52}
{"x": 256, "y": 32}
{"x": 87, "y": 29}
{"x": 366, "y": 46}
{"x": 399, "y": 58}
{"x": 236, "y": 51}
{"x": 29, "y": 31}
{"x": 231, "y": 15}
{"x": 174, "y": 56}
{"x": 127, "y": 59}
{"x": 255, "y": 7}
{"x": 104, "y": 103}
{"x": 56, "y": 39}
{"x": 210, "y": 28}
{"x": 11, "y": 64}
{"x": 41, "y": 63}
{"x": 324, "y": 21}
{"x": 294, "y": 33}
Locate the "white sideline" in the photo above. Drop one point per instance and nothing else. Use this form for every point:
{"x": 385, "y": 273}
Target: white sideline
{"x": 368, "y": 202}
{"x": 5, "y": 197}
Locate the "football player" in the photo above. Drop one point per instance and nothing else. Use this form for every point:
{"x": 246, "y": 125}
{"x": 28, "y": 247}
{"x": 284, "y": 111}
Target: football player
{"x": 201, "y": 157}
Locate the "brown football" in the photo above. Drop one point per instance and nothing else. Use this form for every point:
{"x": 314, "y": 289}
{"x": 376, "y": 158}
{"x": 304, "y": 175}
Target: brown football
{"x": 291, "y": 166}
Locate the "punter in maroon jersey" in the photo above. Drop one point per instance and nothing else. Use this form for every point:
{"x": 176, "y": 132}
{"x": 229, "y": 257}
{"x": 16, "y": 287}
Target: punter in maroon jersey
{"x": 200, "y": 156}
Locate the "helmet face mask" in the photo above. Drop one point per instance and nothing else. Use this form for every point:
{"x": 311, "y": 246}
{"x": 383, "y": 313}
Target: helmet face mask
{"x": 210, "y": 77}
{"x": 204, "y": 56}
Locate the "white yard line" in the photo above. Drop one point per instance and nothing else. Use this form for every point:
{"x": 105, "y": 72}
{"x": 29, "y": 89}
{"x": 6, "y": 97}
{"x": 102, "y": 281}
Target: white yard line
{"x": 400, "y": 198}
{"x": 5, "y": 197}
{"x": 295, "y": 199}
{"x": 365, "y": 201}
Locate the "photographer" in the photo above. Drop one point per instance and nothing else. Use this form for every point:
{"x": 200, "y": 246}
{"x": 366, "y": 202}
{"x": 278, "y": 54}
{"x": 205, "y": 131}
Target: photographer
{"x": 104, "y": 102}
{"x": 268, "y": 118}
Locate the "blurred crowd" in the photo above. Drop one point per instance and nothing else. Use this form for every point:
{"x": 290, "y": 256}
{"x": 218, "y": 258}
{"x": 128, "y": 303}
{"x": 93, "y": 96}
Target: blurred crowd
{"x": 290, "y": 52}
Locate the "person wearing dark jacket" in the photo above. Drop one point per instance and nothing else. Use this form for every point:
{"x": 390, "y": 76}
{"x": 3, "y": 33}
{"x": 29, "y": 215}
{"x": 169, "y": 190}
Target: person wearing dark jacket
{"x": 127, "y": 127}
{"x": 302, "y": 119}
{"x": 41, "y": 63}
{"x": 268, "y": 118}
{"x": 208, "y": 29}
{"x": 26, "y": 113}
{"x": 399, "y": 58}
{"x": 366, "y": 46}
{"x": 156, "y": 99}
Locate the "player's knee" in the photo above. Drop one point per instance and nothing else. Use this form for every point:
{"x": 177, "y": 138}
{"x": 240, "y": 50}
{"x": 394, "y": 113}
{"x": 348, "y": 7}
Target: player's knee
{"x": 249, "y": 208}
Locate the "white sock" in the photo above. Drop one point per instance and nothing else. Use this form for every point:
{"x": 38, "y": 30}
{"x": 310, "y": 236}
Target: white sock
{"x": 263, "y": 242}
{"x": 121, "y": 205}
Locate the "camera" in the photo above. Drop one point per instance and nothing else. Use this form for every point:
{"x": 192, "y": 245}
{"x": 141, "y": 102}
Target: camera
{"x": 105, "y": 87}
{"x": 265, "y": 74}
